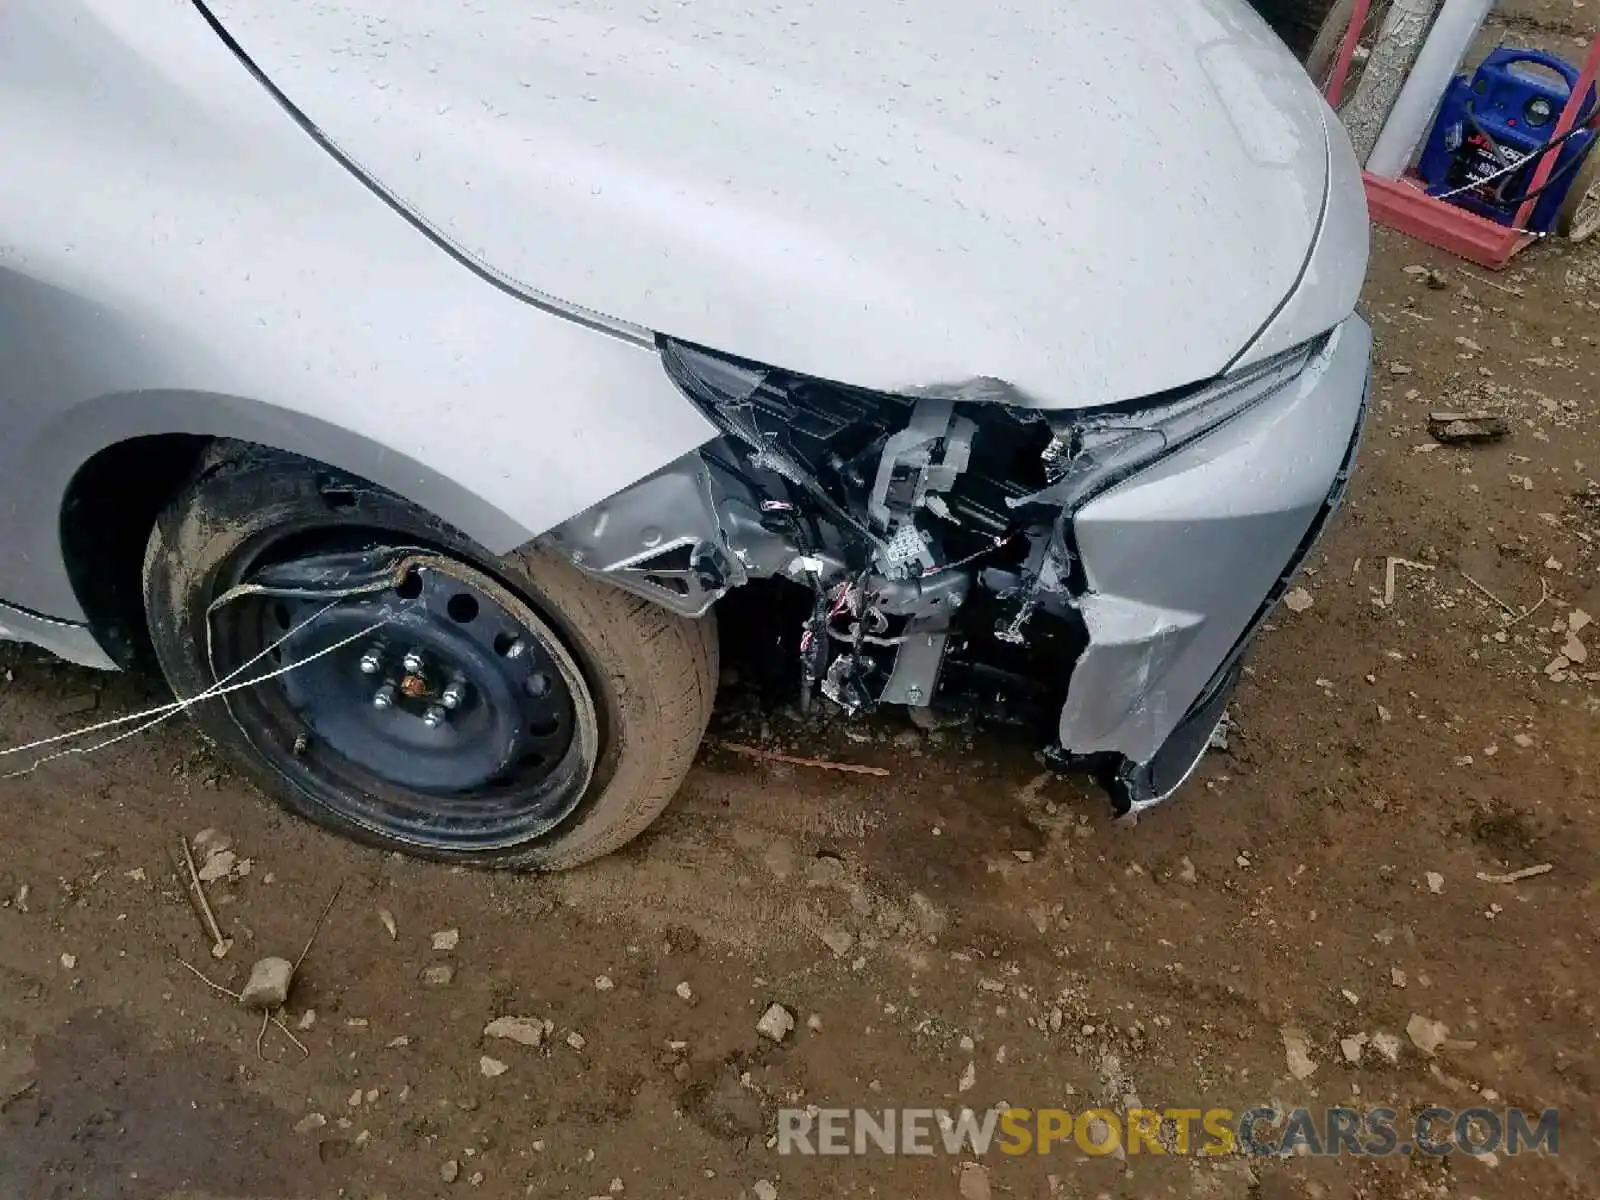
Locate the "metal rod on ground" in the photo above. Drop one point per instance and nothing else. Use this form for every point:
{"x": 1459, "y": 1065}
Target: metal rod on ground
{"x": 1399, "y": 42}
{"x": 1413, "y": 113}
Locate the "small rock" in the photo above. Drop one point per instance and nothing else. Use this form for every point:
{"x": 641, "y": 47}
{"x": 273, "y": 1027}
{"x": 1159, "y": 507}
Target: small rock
{"x": 1297, "y": 1049}
{"x": 1387, "y": 1045}
{"x": 763, "y": 1190}
{"x": 1023, "y": 856}
{"x": 268, "y": 985}
{"x": 216, "y": 866}
{"x": 1351, "y": 1047}
{"x": 1425, "y": 1034}
{"x": 307, "y": 1019}
{"x": 685, "y": 992}
{"x": 1434, "y": 279}
{"x": 211, "y": 841}
{"x": 602, "y": 983}
{"x": 491, "y": 1067}
{"x": 576, "y": 1040}
{"x": 1522, "y": 740}
{"x": 776, "y": 1023}
{"x": 398, "y": 1042}
{"x": 1186, "y": 871}
{"x": 309, "y": 1122}
{"x": 836, "y": 939}
{"x": 969, "y": 1078}
{"x": 1458, "y": 428}
{"x": 1577, "y": 620}
{"x": 446, "y": 939}
{"x": 1435, "y": 882}
{"x": 1575, "y": 650}
{"x": 438, "y": 975}
{"x": 449, "y": 1170}
{"x": 387, "y": 918}
{"x": 814, "y": 1023}
{"x": 1298, "y": 600}
{"x": 526, "y": 1031}
{"x": 69, "y": 961}
{"x": 974, "y": 1182}
{"x": 1397, "y": 977}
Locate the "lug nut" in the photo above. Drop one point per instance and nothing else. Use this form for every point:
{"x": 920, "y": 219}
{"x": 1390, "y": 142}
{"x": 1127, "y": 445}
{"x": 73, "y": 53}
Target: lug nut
{"x": 412, "y": 662}
{"x": 383, "y": 697}
{"x": 435, "y": 716}
{"x": 372, "y": 661}
{"x": 453, "y": 695}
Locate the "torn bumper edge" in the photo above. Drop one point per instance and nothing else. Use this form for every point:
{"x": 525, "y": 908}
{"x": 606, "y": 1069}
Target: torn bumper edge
{"x": 74, "y": 642}
{"x": 1185, "y": 562}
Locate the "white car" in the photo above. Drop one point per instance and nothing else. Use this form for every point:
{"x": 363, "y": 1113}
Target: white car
{"x": 416, "y": 378}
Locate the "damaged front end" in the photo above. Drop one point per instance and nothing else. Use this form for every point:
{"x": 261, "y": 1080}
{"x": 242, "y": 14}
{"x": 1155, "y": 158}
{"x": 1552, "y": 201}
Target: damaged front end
{"x": 938, "y": 537}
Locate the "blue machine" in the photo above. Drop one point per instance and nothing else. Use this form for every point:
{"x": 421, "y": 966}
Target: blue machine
{"x": 1502, "y": 116}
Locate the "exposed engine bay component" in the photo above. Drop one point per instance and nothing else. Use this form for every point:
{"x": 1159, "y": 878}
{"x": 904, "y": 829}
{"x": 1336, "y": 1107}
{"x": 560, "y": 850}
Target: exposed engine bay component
{"x": 661, "y": 539}
{"x": 906, "y": 468}
{"x": 937, "y": 540}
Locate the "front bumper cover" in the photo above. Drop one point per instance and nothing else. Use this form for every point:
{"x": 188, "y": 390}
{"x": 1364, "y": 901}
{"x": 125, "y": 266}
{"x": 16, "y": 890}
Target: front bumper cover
{"x": 1185, "y": 561}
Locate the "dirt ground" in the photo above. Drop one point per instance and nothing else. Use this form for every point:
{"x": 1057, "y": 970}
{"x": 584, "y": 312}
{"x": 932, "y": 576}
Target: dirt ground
{"x": 966, "y": 931}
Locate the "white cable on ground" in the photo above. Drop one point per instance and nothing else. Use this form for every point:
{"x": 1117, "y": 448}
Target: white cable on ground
{"x": 166, "y": 711}
{"x": 172, "y": 705}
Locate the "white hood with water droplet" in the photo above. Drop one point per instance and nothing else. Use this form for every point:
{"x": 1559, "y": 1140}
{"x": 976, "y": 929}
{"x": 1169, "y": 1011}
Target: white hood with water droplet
{"x": 1091, "y": 201}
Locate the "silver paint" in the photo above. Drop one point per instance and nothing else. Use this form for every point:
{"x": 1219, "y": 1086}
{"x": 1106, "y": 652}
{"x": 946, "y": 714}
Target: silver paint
{"x": 1089, "y": 202}
{"x": 1179, "y": 558}
{"x": 176, "y": 255}
{"x": 455, "y": 294}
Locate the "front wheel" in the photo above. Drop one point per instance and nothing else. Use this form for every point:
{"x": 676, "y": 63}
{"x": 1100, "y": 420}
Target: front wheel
{"x": 414, "y": 692}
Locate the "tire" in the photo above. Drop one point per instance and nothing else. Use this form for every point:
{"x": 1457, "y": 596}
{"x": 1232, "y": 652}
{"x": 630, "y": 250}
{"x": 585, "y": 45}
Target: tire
{"x": 1579, "y": 219}
{"x": 650, "y": 675}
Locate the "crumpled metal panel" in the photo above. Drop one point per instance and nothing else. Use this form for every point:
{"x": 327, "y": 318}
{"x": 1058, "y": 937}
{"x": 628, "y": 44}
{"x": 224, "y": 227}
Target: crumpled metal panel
{"x": 1179, "y": 559}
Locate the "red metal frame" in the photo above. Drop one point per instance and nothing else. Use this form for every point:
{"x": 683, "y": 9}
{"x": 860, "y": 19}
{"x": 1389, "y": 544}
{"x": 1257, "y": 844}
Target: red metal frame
{"x": 1347, "y": 52}
{"x": 1404, "y": 205}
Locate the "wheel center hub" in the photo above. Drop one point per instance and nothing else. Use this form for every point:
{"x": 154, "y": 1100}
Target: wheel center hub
{"x": 453, "y": 693}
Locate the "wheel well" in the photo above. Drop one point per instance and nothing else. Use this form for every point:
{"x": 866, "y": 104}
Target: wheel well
{"x": 106, "y": 517}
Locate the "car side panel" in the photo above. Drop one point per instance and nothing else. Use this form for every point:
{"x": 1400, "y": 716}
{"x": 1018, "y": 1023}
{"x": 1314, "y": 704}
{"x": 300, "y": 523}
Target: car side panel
{"x": 177, "y": 255}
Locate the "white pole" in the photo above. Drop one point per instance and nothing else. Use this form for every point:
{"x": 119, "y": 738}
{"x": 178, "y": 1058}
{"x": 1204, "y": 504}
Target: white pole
{"x": 1413, "y": 113}
{"x": 1399, "y": 42}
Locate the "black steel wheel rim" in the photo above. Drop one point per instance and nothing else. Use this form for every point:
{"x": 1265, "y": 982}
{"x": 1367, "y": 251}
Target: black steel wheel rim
{"x": 452, "y": 717}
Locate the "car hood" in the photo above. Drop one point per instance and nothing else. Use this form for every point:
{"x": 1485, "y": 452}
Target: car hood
{"x": 1084, "y": 202}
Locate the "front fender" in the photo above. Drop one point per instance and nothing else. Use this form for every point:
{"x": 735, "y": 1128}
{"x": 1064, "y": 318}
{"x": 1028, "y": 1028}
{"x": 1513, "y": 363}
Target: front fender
{"x": 181, "y": 257}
